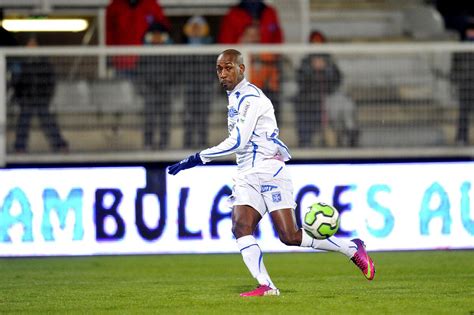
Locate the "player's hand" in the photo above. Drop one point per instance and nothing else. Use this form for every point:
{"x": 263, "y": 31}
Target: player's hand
{"x": 188, "y": 162}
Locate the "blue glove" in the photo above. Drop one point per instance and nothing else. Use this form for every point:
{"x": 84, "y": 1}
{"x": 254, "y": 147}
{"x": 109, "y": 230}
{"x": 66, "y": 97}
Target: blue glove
{"x": 188, "y": 162}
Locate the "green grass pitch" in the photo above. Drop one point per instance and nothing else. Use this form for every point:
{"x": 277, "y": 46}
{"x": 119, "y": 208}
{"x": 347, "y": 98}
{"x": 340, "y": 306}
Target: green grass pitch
{"x": 426, "y": 282}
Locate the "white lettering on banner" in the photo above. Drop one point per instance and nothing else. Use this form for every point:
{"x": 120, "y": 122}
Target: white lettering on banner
{"x": 87, "y": 211}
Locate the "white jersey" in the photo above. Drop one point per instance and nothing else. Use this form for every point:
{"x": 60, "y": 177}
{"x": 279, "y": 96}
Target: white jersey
{"x": 253, "y": 130}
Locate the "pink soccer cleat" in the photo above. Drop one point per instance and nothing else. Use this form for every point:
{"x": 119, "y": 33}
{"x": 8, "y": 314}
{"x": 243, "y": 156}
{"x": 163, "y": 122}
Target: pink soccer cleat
{"x": 362, "y": 260}
{"x": 262, "y": 290}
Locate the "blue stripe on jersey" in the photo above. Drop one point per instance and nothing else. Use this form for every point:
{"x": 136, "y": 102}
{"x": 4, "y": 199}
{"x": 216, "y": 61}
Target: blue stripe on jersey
{"x": 251, "y": 85}
{"x": 255, "y": 147}
{"x": 235, "y": 146}
{"x": 281, "y": 144}
{"x": 279, "y": 170}
{"x": 242, "y": 99}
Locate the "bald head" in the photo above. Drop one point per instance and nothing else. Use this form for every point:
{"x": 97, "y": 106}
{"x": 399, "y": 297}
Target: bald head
{"x": 232, "y": 54}
{"x": 230, "y": 68}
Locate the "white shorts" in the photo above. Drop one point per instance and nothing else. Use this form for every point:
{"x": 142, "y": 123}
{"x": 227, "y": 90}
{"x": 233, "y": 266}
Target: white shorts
{"x": 264, "y": 191}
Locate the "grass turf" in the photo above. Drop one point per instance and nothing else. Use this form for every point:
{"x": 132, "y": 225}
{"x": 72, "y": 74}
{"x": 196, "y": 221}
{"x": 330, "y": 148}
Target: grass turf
{"x": 429, "y": 282}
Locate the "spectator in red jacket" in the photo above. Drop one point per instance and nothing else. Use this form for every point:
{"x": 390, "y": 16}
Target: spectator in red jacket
{"x": 246, "y": 13}
{"x": 126, "y": 23}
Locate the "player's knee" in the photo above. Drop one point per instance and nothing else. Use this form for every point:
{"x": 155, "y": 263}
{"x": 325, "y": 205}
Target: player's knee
{"x": 289, "y": 238}
{"x": 240, "y": 229}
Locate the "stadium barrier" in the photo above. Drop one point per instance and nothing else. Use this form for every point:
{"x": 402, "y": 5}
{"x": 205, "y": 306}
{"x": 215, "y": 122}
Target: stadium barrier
{"x": 393, "y": 96}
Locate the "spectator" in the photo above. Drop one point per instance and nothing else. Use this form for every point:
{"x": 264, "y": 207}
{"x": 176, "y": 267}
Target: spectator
{"x": 317, "y": 77}
{"x": 155, "y": 78}
{"x": 264, "y": 68}
{"x": 462, "y": 75}
{"x": 253, "y": 21}
{"x": 198, "y": 84}
{"x": 457, "y": 14}
{"x": 246, "y": 13}
{"x": 6, "y": 38}
{"x": 341, "y": 111}
{"x": 34, "y": 86}
{"x": 126, "y": 23}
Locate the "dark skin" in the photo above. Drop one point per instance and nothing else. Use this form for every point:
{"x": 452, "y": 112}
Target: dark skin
{"x": 230, "y": 71}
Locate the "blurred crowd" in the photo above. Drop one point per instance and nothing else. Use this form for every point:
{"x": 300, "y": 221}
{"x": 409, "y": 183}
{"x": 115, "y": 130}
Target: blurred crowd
{"x": 142, "y": 22}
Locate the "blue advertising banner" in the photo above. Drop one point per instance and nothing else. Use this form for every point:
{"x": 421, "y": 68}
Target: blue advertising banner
{"x": 134, "y": 210}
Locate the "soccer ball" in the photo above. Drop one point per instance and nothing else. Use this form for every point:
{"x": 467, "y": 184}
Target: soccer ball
{"x": 321, "y": 221}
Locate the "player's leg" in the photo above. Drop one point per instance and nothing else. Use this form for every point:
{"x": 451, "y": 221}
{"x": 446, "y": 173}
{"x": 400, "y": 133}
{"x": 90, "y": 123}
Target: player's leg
{"x": 244, "y": 221}
{"x": 285, "y": 224}
{"x": 280, "y": 203}
{"x": 290, "y": 234}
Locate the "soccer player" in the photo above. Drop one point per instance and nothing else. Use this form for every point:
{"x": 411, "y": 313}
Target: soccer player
{"x": 261, "y": 156}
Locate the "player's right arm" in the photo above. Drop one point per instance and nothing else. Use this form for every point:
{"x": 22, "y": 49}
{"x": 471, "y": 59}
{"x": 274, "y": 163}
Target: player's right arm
{"x": 238, "y": 138}
{"x": 240, "y": 134}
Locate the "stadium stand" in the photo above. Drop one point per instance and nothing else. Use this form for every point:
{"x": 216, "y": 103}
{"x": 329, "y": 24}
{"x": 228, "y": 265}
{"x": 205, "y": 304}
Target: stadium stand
{"x": 115, "y": 96}
{"x": 72, "y": 97}
{"x": 378, "y": 20}
{"x": 394, "y": 56}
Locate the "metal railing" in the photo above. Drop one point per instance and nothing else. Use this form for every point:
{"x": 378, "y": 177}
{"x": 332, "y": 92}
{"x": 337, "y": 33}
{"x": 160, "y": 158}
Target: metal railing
{"x": 392, "y": 99}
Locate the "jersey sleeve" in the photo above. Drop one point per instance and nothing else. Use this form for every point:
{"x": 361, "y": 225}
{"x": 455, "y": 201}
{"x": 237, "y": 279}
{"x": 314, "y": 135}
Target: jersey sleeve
{"x": 249, "y": 113}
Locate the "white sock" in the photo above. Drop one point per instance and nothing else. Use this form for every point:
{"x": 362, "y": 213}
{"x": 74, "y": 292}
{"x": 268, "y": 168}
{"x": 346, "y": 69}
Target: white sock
{"x": 332, "y": 244}
{"x": 253, "y": 259}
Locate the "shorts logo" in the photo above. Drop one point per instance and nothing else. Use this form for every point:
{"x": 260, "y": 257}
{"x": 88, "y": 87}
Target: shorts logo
{"x": 276, "y": 197}
{"x": 266, "y": 188}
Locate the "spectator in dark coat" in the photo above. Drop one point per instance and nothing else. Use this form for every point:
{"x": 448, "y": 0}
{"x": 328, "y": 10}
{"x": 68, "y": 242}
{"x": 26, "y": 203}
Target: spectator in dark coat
{"x": 6, "y": 38}
{"x": 462, "y": 75}
{"x": 156, "y": 76}
{"x": 198, "y": 84}
{"x": 457, "y": 14}
{"x": 34, "y": 86}
{"x": 317, "y": 77}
